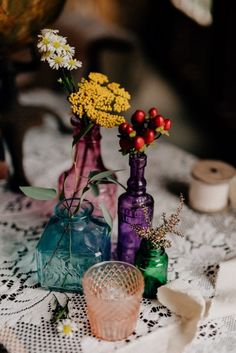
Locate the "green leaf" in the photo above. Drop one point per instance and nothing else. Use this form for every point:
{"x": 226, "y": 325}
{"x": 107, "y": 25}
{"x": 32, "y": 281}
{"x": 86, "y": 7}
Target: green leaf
{"x": 92, "y": 173}
{"x": 102, "y": 175}
{"x": 113, "y": 180}
{"x": 85, "y": 189}
{"x": 95, "y": 189}
{"x": 39, "y": 193}
{"x": 107, "y": 216}
{"x": 60, "y": 312}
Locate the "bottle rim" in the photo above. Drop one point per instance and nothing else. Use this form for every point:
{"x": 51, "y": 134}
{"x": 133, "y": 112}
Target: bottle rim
{"x": 85, "y": 211}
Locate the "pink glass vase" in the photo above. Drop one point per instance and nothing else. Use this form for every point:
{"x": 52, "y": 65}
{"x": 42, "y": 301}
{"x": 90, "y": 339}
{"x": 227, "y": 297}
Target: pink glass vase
{"x": 87, "y": 158}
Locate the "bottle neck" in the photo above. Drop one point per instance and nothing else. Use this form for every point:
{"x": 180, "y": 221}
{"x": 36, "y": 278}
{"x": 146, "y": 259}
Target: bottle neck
{"x": 92, "y": 136}
{"x": 65, "y": 210}
{"x": 149, "y": 251}
{"x": 88, "y": 150}
{"x": 136, "y": 182}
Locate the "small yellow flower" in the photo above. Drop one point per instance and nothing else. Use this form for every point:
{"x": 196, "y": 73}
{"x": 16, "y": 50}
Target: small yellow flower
{"x": 98, "y": 77}
{"x": 116, "y": 89}
{"x": 100, "y": 100}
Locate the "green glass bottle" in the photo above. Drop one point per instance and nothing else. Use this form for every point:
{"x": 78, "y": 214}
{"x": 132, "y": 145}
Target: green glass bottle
{"x": 153, "y": 263}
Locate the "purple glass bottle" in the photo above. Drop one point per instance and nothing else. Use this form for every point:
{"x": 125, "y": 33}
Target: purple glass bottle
{"x": 130, "y": 209}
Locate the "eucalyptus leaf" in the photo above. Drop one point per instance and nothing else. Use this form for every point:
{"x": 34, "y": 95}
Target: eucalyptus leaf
{"x": 82, "y": 197}
{"x": 102, "y": 175}
{"x": 113, "y": 180}
{"x": 95, "y": 189}
{"x": 107, "y": 216}
{"x": 85, "y": 189}
{"x": 92, "y": 173}
{"x": 39, "y": 193}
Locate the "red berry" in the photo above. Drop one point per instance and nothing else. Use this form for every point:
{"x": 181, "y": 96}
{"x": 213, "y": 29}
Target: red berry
{"x": 153, "y": 112}
{"x": 138, "y": 143}
{"x": 129, "y": 129}
{"x": 149, "y": 136}
{"x": 122, "y": 128}
{"x": 167, "y": 124}
{"x": 158, "y": 121}
{"x": 125, "y": 144}
{"x": 138, "y": 117}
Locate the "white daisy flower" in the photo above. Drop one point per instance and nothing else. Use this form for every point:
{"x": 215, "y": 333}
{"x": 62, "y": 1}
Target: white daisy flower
{"x": 47, "y": 31}
{"x": 46, "y": 55}
{"x": 72, "y": 64}
{"x": 56, "y": 43}
{"x": 70, "y": 51}
{"x": 56, "y": 61}
{"x": 43, "y": 44}
{"x": 67, "y": 327}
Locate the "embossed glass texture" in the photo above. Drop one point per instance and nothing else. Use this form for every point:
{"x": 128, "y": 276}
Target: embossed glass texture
{"x": 69, "y": 246}
{"x": 130, "y": 209}
{"x": 153, "y": 263}
{"x": 88, "y": 158}
{"x": 113, "y": 291}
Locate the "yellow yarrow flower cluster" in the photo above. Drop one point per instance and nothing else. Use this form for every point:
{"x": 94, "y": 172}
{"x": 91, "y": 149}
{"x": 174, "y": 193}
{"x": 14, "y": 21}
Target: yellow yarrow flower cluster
{"x": 98, "y": 77}
{"x": 100, "y": 100}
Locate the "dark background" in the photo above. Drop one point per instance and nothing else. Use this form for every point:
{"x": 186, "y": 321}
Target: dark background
{"x": 165, "y": 59}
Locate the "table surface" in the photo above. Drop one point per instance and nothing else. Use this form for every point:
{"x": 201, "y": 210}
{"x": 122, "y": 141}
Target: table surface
{"x": 26, "y": 309}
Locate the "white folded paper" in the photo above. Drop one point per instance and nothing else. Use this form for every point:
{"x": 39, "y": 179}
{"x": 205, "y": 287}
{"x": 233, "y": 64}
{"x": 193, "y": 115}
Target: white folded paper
{"x": 189, "y": 304}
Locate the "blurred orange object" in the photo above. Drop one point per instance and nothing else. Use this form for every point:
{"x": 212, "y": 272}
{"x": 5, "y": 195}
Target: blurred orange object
{"x": 20, "y": 21}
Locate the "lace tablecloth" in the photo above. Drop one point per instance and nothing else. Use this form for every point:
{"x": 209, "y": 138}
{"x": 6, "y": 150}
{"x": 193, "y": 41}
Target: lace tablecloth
{"x": 26, "y": 309}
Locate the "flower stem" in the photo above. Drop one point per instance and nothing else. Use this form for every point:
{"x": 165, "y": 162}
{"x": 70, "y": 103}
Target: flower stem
{"x": 54, "y": 252}
{"x": 67, "y": 82}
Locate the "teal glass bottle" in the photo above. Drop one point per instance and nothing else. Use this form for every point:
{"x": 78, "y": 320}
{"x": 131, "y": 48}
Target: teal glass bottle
{"x": 70, "y": 245}
{"x": 153, "y": 263}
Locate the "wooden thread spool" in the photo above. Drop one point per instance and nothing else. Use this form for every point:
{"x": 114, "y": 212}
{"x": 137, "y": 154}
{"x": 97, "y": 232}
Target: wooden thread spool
{"x": 209, "y": 189}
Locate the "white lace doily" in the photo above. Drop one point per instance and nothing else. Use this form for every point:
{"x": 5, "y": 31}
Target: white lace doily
{"x": 26, "y": 309}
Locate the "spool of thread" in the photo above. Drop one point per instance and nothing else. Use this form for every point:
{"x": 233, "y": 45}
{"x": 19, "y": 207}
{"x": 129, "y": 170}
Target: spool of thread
{"x": 209, "y": 189}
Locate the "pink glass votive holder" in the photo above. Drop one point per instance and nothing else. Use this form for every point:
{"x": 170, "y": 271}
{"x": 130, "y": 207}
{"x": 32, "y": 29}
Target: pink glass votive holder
{"x": 113, "y": 291}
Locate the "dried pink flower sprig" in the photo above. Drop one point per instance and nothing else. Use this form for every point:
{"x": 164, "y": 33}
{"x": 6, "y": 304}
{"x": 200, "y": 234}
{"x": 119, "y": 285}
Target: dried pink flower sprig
{"x": 157, "y": 236}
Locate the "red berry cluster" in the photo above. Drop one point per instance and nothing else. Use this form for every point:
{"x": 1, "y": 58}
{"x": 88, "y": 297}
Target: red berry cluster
{"x": 143, "y": 131}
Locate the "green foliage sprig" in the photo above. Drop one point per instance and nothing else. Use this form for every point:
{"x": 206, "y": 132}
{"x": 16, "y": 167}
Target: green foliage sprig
{"x": 157, "y": 235}
{"x": 94, "y": 179}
